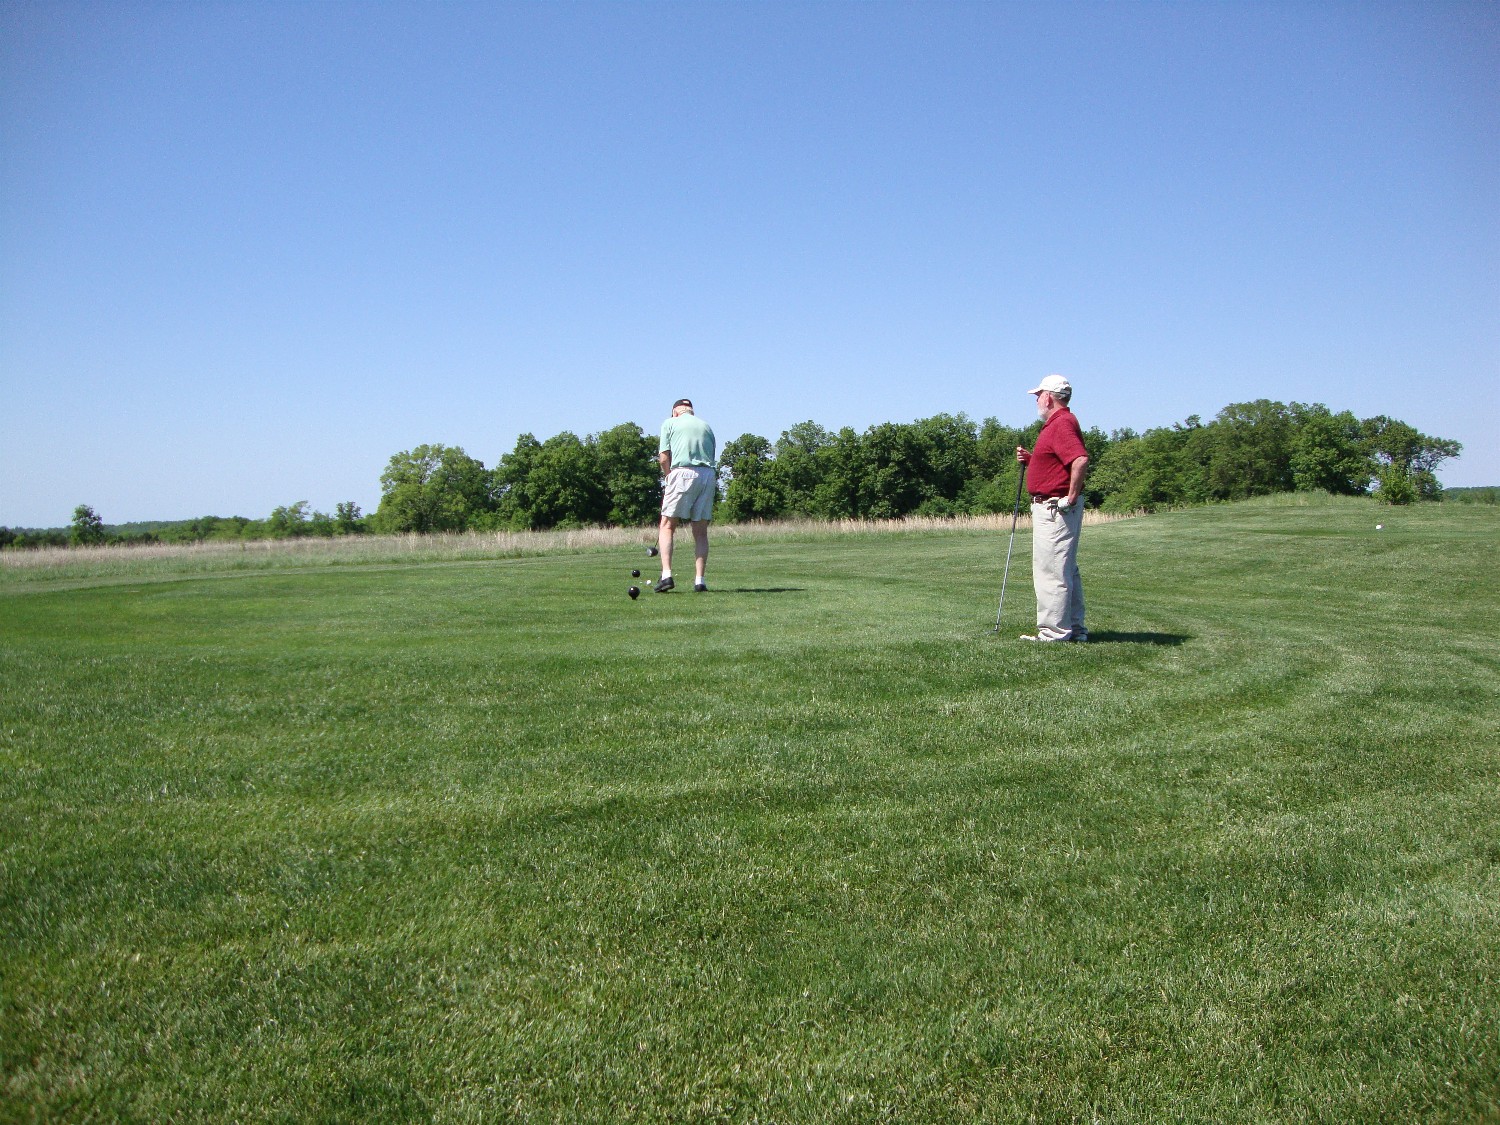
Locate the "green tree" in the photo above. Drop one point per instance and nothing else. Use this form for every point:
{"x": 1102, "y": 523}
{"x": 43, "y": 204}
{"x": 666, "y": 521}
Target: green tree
{"x": 841, "y": 474}
{"x": 565, "y": 484}
{"x": 1415, "y": 456}
{"x": 288, "y": 522}
{"x": 233, "y": 527}
{"x": 1249, "y": 450}
{"x": 1162, "y": 467}
{"x": 1186, "y": 456}
{"x": 555, "y": 483}
{"x": 432, "y": 488}
{"x": 950, "y": 454}
{"x": 630, "y": 475}
{"x": 1328, "y": 452}
{"x": 995, "y": 450}
{"x": 512, "y": 499}
{"x": 991, "y": 487}
{"x": 347, "y": 519}
{"x": 1395, "y": 485}
{"x": 87, "y": 529}
{"x": 889, "y": 472}
{"x": 796, "y": 471}
{"x": 752, "y": 492}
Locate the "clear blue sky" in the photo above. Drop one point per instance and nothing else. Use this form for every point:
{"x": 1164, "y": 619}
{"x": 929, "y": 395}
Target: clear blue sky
{"x": 250, "y": 250}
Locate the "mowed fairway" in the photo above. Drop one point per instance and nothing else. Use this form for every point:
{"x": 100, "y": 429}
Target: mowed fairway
{"x": 488, "y": 841}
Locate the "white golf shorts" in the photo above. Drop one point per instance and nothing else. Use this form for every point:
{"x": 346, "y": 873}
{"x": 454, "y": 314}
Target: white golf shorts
{"x": 689, "y": 493}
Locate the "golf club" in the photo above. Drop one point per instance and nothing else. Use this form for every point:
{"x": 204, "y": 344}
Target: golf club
{"x": 1014, "y": 516}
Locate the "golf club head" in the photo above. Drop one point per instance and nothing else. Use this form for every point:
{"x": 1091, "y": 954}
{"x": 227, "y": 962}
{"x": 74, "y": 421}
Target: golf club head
{"x": 652, "y": 552}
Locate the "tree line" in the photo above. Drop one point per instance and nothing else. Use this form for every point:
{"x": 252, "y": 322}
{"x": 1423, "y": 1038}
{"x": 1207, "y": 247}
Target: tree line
{"x": 89, "y": 529}
{"x": 945, "y": 465}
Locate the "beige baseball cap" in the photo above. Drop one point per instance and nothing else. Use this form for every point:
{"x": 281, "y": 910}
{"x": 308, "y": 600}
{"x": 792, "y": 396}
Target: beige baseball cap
{"x": 1053, "y": 385}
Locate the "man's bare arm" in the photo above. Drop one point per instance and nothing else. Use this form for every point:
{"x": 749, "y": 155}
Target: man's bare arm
{"x": 1078, "y": 471}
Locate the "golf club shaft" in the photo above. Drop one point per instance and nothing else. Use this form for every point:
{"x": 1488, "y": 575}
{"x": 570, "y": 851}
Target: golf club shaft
{"x": 1014, "y": 516}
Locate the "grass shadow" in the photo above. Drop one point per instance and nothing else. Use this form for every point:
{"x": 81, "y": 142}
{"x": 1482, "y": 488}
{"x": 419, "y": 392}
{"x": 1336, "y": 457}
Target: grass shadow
{"x": 1109, "y": 636}
{"x": 761, "y": 590}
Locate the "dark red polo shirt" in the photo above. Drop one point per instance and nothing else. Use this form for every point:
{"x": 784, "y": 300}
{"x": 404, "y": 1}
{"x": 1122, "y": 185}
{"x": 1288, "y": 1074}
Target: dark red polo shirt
{"x": 1058, "y": 445}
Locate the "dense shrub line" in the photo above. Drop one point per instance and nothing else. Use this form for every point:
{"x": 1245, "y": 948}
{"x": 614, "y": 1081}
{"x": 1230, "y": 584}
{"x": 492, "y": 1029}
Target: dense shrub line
{"x": 89, "y": 529}
{"x": 946, "y": 465}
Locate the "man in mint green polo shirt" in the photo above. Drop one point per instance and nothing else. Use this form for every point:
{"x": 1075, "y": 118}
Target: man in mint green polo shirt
{"x": 686, "y": 454}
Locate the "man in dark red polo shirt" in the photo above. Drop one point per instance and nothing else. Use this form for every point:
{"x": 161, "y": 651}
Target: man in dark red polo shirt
{"x": 1055, "y": 471}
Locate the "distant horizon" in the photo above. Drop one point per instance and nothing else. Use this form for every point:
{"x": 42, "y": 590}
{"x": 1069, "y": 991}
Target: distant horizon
{"x": 368, "y": 509}
{"x": 1445, "y": 471}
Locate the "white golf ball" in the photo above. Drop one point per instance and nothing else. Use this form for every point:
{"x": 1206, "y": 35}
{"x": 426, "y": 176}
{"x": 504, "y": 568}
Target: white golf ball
{"x": 1380, "y": 527}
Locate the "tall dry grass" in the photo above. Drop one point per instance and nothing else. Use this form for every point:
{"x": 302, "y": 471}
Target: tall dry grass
{"x": 126, "y": 561}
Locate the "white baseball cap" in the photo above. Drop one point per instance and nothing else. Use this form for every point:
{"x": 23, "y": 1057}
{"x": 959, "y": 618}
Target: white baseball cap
{"x": 1053, "y": 385}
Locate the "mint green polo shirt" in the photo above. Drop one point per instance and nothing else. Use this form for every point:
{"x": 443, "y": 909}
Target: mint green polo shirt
{"x": 689, "y": 440}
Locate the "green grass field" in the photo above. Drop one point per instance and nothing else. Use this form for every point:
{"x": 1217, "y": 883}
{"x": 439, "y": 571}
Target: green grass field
{"x": 484, "y": 840}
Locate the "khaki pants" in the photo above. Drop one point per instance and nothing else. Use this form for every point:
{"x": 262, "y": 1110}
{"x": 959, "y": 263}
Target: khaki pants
{"x": 1054, "y": 572}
